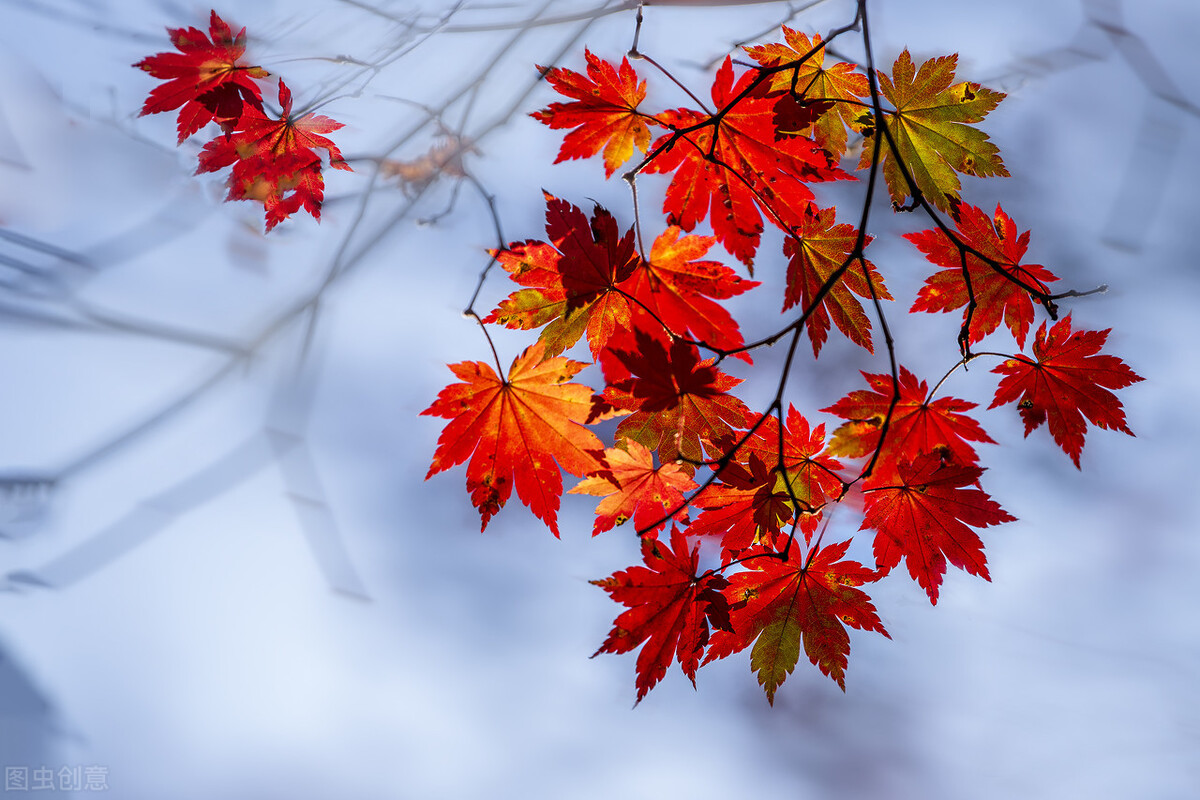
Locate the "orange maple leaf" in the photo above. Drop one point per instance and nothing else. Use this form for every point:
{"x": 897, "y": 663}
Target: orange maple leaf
{"x": 675, "y": 287}
{"x": 604, "y": 114}
{"x": 919, "y": 425}
{"x": 518, "y": 430}
{"x": 818, "y": 250}
{"x": 633, "y": 488}
{"x": 729, "y": 165}
{"x": 811, "y": 79}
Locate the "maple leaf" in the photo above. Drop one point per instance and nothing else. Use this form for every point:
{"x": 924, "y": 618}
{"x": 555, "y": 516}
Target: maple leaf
{"x": 997, "y": 294}
{"x": 1066, "y": 382}
{"x": 572, "y": 279}
{"x": 670, "y": 609}
{"x": 726, "y": 176}
{"x": 779, "y": 605}
{"x": 919, "y": 426}
{"x": 800, "y": 455}
{"x": 677, "y": 401}
{"x": 206, "y": 77}
{"x": 274, "y": 161}
{"x": 633, "y": 488}
{"x": 674, "y": 286}
{"x": 746, "y": 507}
{"x": 517, "y": 431}
{"x": 839, "y": 84}
{"x": 924, "y": 519}
{"x": 604, "y": 114}
{"x": 443, "y": 159}
{"x": 818, "y": 249}
{"x": 930, "y": 125}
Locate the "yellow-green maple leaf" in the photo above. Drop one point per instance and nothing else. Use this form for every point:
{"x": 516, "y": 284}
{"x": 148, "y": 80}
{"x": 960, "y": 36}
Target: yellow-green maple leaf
{"x": 932, "y": 130}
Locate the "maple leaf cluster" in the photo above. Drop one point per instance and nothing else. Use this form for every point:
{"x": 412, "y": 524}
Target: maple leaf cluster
{"x": 749, "y": 495}
{"x": 273, "y": 159}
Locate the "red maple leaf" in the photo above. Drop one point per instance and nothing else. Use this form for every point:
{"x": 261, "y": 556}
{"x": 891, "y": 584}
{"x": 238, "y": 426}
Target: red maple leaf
{"x": 633, "y": 488}
{"x": 840, "y": 84}
{"x": 677, "y": 400}
{"x": 518, "y": 430}
{"x": 572, "y": 280}
{"x": 725, "y": 176}
{"x": 816, "y": 251}
{"x": 924, "y": 519}
{"x": 799, "y": 454}
{"x": 1065, "y": 383}
{"x": 274, "y": 161}
{"x": 674, "y": 287}
{"x": 670, "y": 609}
{"x": 1003, "y": 293}
{"x": 747, "y": 506}
{"x": 919, "y": 426}
{"x": 778, "y": 605}
{"x": 206, "y": 77}
{"x": 604, "y": 114}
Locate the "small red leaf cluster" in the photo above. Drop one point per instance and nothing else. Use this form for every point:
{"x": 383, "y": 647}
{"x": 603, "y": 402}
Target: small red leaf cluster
{"x": 273, "y": 160}
{"x": 751, "y": 494}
